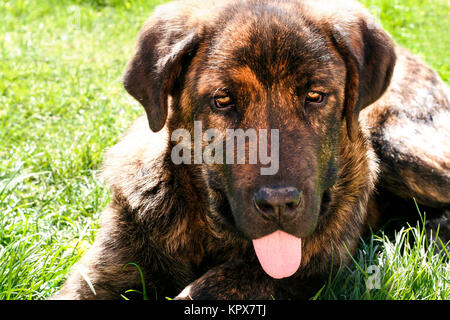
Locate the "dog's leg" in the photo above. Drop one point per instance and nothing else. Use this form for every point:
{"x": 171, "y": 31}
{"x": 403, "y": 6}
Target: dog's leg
{"x": 92, "y": 279}
{"x": 100, "y": 274}
{"x": 235, "y": 280}
{"x": 241, "y": 280}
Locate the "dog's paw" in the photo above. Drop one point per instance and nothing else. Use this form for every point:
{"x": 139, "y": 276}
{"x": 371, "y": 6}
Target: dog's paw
{"x": 186, "y": 294}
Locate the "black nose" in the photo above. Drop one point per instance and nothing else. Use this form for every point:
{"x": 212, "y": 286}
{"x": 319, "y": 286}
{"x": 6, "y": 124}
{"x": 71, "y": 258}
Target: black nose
{"x": 279, "y": 204}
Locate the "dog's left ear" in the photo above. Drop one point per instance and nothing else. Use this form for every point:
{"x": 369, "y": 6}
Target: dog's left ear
{"x": 369, "y": 54}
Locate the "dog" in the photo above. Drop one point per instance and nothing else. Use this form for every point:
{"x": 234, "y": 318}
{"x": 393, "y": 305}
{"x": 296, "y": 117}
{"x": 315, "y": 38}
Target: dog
{"x": 354, "y": 114}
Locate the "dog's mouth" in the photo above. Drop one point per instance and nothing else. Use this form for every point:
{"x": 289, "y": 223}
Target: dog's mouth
{"x": 280, "y": 253}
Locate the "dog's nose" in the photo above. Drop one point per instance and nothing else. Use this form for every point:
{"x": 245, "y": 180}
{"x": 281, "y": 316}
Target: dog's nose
{"x": 279, "y": 203}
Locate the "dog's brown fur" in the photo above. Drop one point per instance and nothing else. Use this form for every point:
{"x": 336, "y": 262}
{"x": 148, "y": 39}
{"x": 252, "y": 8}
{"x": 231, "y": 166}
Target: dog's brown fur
{"x": 409, "y": 131}
{"x": 185, "y": 225}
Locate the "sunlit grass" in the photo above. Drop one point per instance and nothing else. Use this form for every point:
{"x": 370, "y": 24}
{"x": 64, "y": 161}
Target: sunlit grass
{"x": 408, "y": 266}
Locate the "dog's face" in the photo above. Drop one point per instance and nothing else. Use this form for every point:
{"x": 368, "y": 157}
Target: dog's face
{"x": 268, "y": 65}
{"x": 257, "y": 75}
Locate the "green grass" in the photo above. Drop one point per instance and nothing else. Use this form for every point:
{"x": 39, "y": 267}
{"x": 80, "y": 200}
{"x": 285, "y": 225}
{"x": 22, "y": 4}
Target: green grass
{"x": 411, "y": 265}
{"x": 62, "y": 104}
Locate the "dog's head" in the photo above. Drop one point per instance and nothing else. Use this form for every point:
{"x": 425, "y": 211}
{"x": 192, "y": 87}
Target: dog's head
{"x": 303, "y": 68}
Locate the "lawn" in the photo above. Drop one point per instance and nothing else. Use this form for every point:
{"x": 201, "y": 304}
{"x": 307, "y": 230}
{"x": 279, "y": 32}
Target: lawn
{"x": 62, "y": 105}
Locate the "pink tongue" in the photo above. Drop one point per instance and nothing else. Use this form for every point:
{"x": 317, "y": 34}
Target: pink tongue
{"x": 279, "y": 254}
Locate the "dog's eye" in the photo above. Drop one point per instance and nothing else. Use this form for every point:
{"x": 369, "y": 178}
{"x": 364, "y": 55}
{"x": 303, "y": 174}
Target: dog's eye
{"x": 224, "y": 102}
{"x": 314, "y": 97}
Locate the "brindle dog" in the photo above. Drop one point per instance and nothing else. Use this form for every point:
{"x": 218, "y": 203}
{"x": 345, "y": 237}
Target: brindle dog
{"x": 313, "y": 69}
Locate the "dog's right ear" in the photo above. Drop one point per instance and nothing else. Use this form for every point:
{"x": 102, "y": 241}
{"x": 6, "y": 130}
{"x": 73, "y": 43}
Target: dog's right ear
{"x": 367, "y": 50}
{"x": 369, "y": 54}
{"x": 164, "y": 47}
